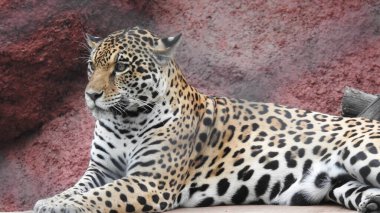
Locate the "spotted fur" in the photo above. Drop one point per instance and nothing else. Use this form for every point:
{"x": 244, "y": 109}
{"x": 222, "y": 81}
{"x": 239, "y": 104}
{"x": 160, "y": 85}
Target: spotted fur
{"x": 159, "y": 144}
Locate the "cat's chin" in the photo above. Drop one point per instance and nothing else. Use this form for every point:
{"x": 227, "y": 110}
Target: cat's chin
{"x": 100, "y": 113}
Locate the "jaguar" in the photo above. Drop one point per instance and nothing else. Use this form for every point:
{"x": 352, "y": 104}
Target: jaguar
{"x": 160, "y": 144}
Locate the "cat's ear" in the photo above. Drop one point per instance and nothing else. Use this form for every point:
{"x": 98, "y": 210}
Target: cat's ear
{"x": 165, "y": 48}
{"x": 92, "y": 41}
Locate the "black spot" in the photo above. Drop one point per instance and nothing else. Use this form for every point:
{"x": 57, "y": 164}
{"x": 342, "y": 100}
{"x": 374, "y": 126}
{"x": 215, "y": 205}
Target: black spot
{"x": 273, "y": 165}
{"x": 341, "y": 179}
{"x": 239, "y": 162}
{"x": 142, "y": 32}
{"x": 306, "y": 166}
{"x": 143, "y": 97}
{"x": 301, "y": 152}
{"x": 263, "y": 134}
{"x": 108, "y": 204}
{"x": 255, "y": 152}
{"x": 291, "y": 163}
{"x": 242, "y": 172}
{"x": 123, "y": 198}
{"x": 262, "y": 185}
{"x": 143, "y": 187}
{"x": 371, "y": 148}
{"x": 146, "y": 77}
{"x": 262, "y": 159}
{"x": 108, "y": 193}
{"x": 364, "y": 172}
{"x": 349, "y": 192}
{"x": 272, "y": 154}
{"x": 203, "y": 137}
{"x": 247, "y": 175}
{"x": 207, "y": 121}
{"x": 232, "y": 129}
{"x": 275, "y": 190}
{"x": 332, "y": 195}
{"x": 240, "y": 195}
{"x": 179, "y": 197}
{"x": 163, "y": 205}
{"x": 299, "y": 199}
{"x": 326, "y": 157}
{"x": 308, "y": 141}
{"x": 202, "y": 188}
{"x": 374, "y": 163}
{"x": 223, "y": 186}
{"x": 141, "y": 70}
{"x": 141, "y": 200}
{"x": 166, "y": 195}
{"x": 346, "y": 153}
{"x": 155, "y": 198}
{"x": 358, "y": 199}
{"x": 363, "y": 188}
{"x": 378, "y": 178}
{"x": 226, "y": 151}
{"x": 264, "y": 109}
{"x": 147, "y": 208}
{"x": 206, "y": 202}
{"x": 198, "y": 147}
{"x": 316, "y": 149}
{"x": 351, "y": 206}
{"x": 220, "y": 171}
{"x": 271, "y": 119}
{"x": 130, "y": 189}
{"x": 289, "y": 180}
{"x": 154, "y": 94}
{"x": 321, "y": 179}
{"x": 257, "y": 202}
{"x": 255, "y": 126}
{"x": 358, "y": 143}
{"x": 353, "y": 160}
{"x": 361, "y": 155}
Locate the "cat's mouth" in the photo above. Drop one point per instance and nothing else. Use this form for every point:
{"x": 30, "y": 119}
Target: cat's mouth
{"x": 127, "y": 109}
{"x": 99, "y": 112}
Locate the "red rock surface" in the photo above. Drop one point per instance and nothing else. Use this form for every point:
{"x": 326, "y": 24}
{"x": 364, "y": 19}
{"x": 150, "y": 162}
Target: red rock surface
{"x": 48, "y": 161}
{"x": 42, "y": 55}
{"x": 294, "y": 52}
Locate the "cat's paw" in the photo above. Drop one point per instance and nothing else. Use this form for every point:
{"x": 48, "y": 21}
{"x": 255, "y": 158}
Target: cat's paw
{"x": 370, "y": 204}
{"x": 52, "y": 205}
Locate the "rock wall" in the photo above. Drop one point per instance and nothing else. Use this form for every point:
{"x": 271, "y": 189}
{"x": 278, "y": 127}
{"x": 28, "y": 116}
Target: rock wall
{"x": 292, "y": 52}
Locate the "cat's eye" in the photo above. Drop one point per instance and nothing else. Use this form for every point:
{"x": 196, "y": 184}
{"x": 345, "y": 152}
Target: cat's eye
{"x": 120, "y": 67}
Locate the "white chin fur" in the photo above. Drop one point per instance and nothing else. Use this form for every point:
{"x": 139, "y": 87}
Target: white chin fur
{"x": 100, "y": 114}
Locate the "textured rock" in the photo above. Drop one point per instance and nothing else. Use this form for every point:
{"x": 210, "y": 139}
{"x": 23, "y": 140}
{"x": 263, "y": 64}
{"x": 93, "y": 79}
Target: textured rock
{"x": 44, "y": 163}
{"x": 42, "y": 55}
{"x": 298, "y": 53}
{"x": 37, "y": 74}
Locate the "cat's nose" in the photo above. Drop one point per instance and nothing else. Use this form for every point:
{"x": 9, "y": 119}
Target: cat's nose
{"x": 94, "y": 95}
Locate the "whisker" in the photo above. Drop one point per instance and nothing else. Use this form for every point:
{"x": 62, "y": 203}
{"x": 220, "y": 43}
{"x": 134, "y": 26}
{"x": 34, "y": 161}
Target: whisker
{"x": 118, "y": 109}
{"x": 142, "y": 104}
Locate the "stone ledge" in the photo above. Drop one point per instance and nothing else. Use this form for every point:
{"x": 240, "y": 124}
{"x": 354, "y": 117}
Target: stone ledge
{"x": 262, "y": 209}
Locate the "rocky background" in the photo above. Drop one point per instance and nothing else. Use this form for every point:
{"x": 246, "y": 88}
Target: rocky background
{"x": 293, "y": 52}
